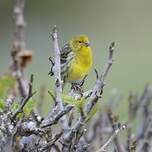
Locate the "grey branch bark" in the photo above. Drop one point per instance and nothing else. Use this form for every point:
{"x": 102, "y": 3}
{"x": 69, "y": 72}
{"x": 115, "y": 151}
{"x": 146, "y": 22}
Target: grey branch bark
{"x": 98, "y": 87}
{"x": 57, "y": 75}
{"x": 111, "y": 138}
{"x": 57, "y": 117}
{"x": 18, "y": 46}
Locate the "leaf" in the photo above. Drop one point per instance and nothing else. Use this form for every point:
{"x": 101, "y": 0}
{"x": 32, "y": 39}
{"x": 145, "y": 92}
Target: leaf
{"x": 6, "y": 82}
{"x": 15, "y": 106}
{"x": 2, "y": 104}
{"x": 29, "y": 107}
{"x": 79, "y": 104}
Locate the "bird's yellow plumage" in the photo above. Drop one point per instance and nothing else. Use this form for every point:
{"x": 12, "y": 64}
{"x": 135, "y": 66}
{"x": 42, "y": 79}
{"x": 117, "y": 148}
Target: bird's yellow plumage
{"x": 76, "y": 59}
{"x": 82, "y": 60}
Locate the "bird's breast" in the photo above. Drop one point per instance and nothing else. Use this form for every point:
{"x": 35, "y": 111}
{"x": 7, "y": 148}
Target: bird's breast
{"x": 84, "y": 57}
{"x": 81, "y": 64}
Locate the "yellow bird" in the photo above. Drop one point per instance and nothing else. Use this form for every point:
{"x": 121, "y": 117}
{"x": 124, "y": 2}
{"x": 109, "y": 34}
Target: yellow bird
{"x": 76, "y": 59}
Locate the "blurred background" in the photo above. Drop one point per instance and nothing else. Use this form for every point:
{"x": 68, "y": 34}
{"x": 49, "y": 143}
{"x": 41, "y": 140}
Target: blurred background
{"x": 128, "y": 23}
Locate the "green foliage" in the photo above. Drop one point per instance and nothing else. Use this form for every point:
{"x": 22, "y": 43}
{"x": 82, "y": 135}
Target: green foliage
{"x": 29, "y": 107}
{"x": 15, "y": 106}
{"x": 2, "y": 104}
{"x": 6, "y": 82}
{"x": 79, "y": 104}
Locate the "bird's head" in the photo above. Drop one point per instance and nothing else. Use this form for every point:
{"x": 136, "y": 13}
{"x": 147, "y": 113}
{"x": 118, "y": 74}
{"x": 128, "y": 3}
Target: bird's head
{"x": 78, "y": 42}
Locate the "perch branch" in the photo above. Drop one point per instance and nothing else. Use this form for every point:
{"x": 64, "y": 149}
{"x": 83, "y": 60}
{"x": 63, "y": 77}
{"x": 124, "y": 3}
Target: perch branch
{"x": 57, "y": 74}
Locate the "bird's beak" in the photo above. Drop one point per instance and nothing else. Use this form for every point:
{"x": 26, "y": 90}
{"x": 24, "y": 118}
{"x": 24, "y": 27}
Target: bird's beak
{"x": 87, "y": 44}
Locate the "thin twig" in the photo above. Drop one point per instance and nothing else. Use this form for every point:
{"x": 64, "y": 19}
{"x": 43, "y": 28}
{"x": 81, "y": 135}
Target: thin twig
{"x": 15, "y": 132}
{"x": 98, "y": 87}
{"x": 52, "y": 95}
{"x": 41, "y": 99}
{"x": 51, "y": 143}
{"x": 26, "y": 99}
{"x": 144, "y": 102}
{"x": 113, "y": 119}
{"x": 102, "y": 149}
{"x": 58, "y": 116}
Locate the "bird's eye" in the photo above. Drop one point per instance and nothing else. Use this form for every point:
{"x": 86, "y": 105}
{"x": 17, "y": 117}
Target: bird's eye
{"x": 80, "y": 41}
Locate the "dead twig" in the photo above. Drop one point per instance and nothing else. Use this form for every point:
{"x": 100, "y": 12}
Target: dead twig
{"x": 115, "y": 133}
{"x": 19, "y": 46}
{"x": 57, "y": 117}
{"x": 98, "y": 87}
{"x": 52, "y": 142}
{"x": 26, "y": 99}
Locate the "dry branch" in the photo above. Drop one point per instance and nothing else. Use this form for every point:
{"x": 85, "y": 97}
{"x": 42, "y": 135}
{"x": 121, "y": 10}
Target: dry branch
{"x": 26, "y": 99}
{"x": 57, "y": 117}
{"x": 57, "y": 75}
{"x": 115, "y": 133}
{"x": 20, "y": 55}
{"x": 98, "y": 87}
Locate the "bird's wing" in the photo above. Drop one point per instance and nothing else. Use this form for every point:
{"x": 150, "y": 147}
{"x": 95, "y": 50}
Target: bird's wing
{"x": 66, "y": 59}
{"x": 65, "y": 52}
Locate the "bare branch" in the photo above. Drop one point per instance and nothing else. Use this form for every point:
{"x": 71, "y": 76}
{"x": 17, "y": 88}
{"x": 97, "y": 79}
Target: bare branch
{"x": 26, "y": 99}
{"x": 57, "y": 117}
{"x": 144, "y": 102}
{"x": 57, "y": 75}
{"x": 98, "y": 87}
{"x": 114, "y": 123}
{"x": 19, "y": 46}
{"x": 115, "y": 133}
{"x": 41, "y": 99}
{"x": 52, "y": 142}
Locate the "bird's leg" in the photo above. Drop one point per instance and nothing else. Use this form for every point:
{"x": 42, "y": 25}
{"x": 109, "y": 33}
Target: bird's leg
{"x": 83, "y": 81}
{"x": 77, "y": 88}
